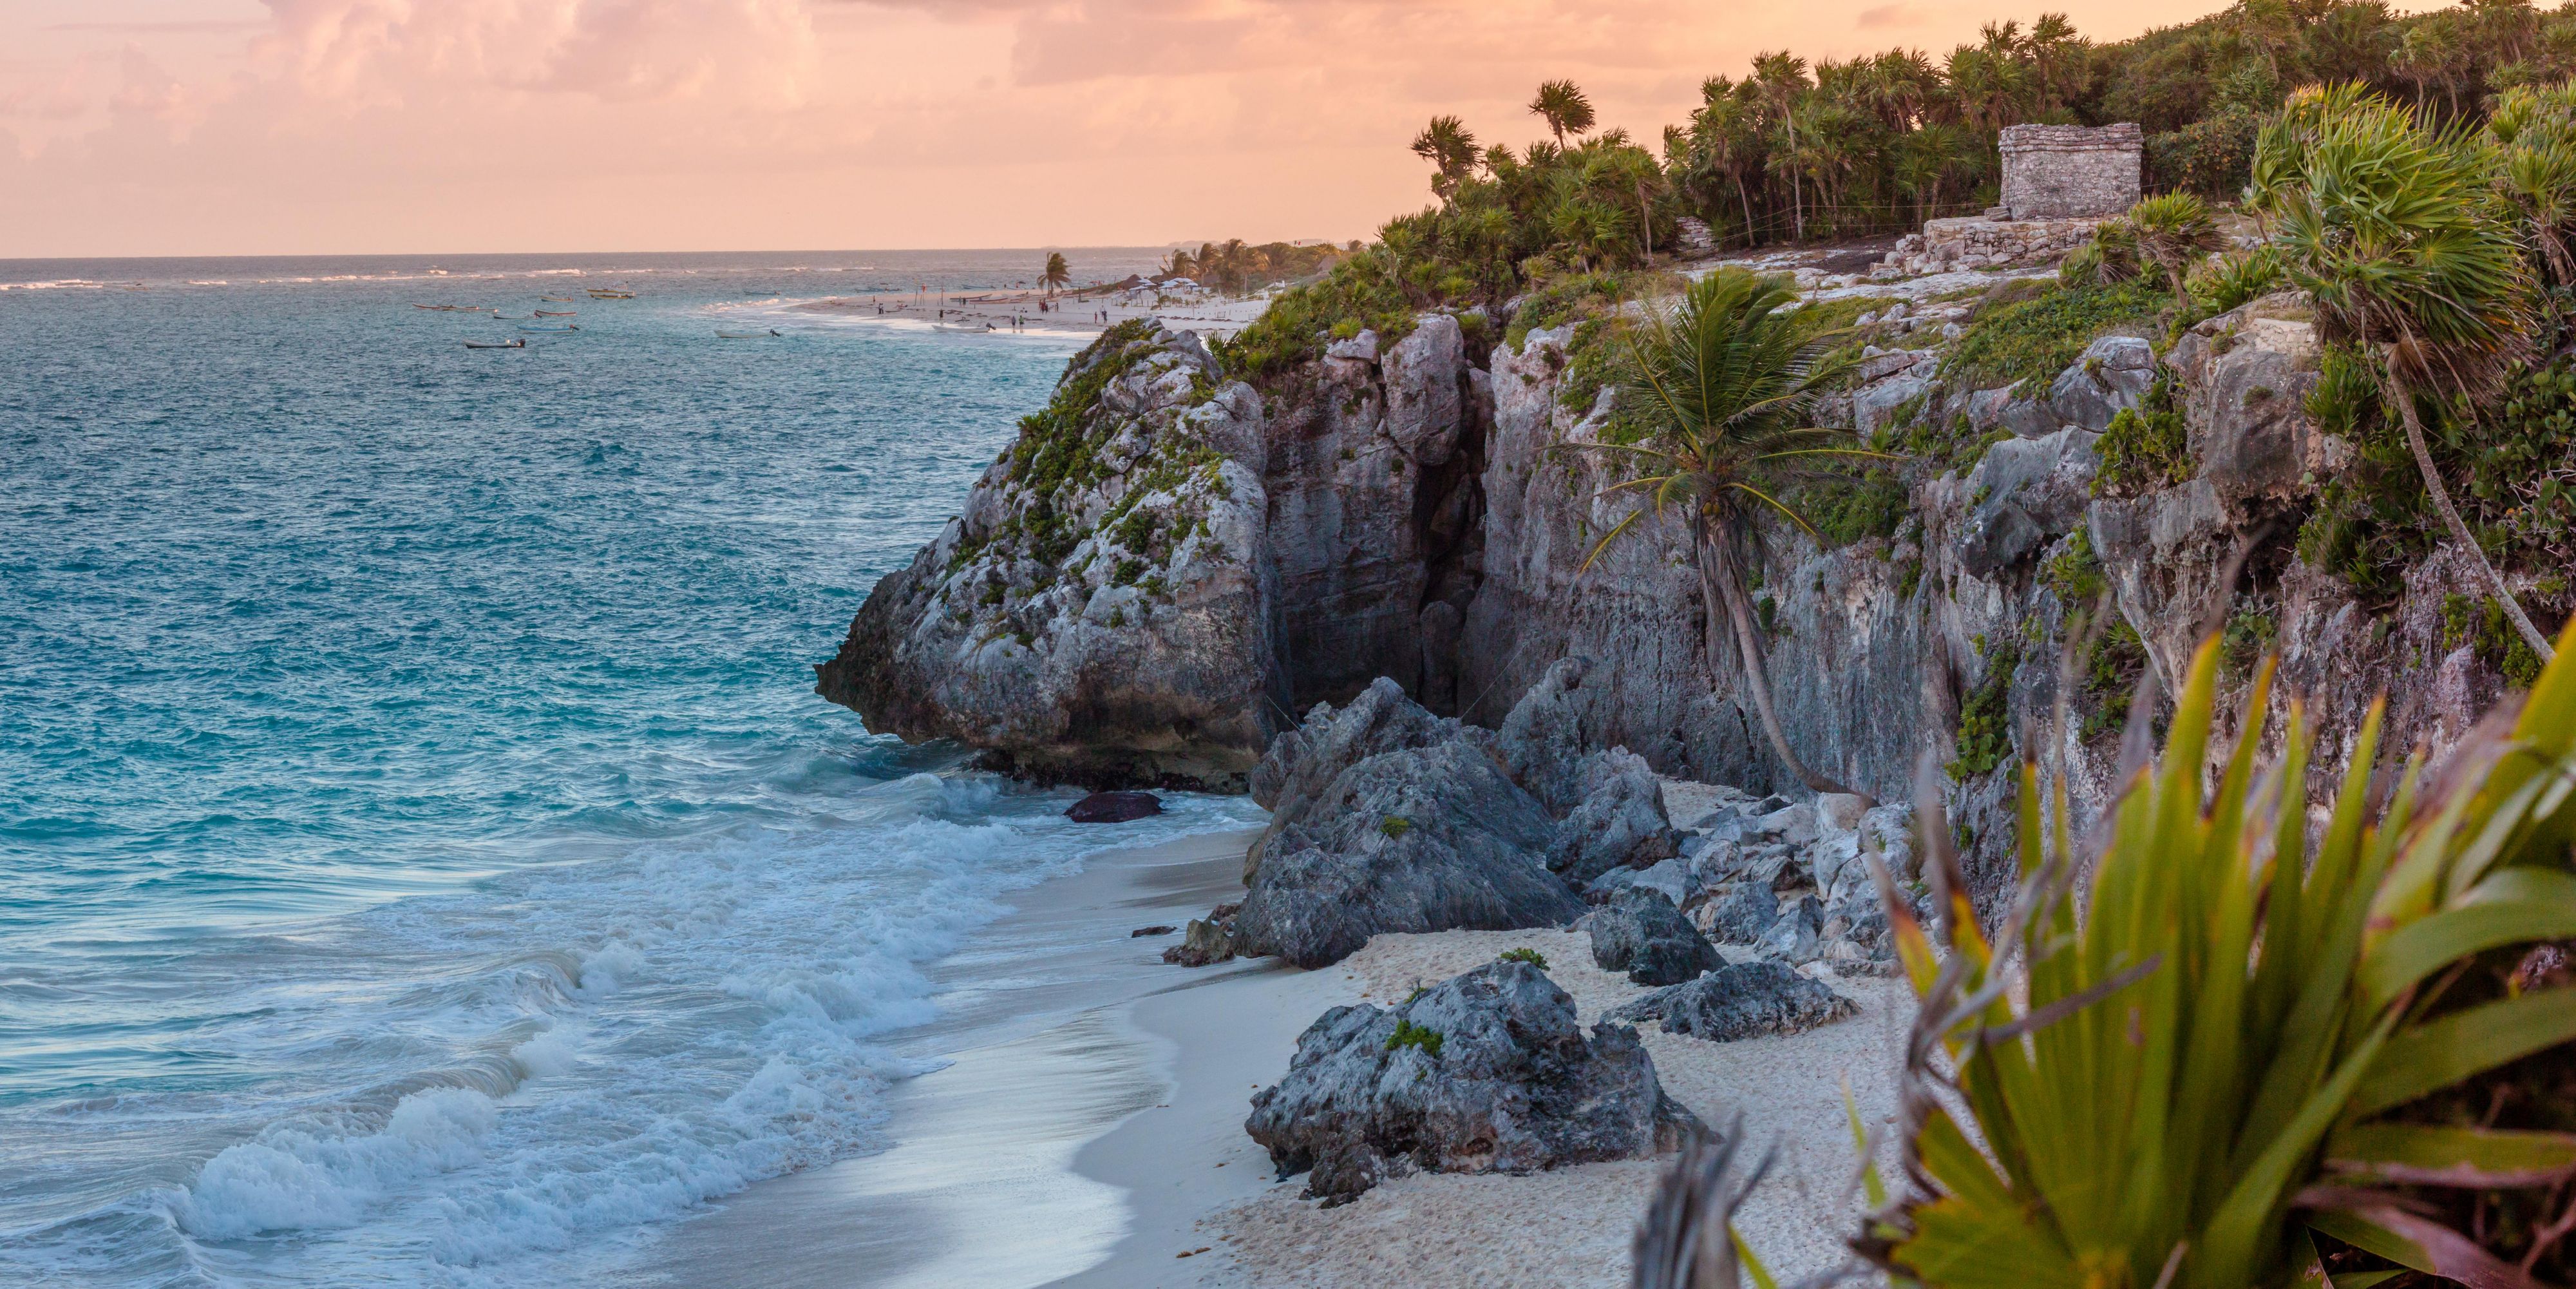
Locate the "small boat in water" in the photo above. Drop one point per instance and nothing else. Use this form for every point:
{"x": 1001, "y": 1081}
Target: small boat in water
{"x": 496, "y": 344}
{"x": 747, "y": 335}
{"x": 604, "y": 293}
{"x": 553, "y": 330}
{"x": 552, "y": 313}
{"x": 558, "y": 299}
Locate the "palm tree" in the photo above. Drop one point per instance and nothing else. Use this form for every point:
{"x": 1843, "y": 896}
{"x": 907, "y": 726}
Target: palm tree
{"x": 1057, "y": 275}
{"x": 2395, "y": 233}
{"x": 1725, "y": 382}
{"x": 1783, "y": 78}
{"x": 2175, "y": 231}
{"x": 1451, "y": 150}
{"x": 1564, "y": 108}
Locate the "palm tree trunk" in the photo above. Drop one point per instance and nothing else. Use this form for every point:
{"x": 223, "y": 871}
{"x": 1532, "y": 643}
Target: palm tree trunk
{"x": 2405, "y": 400}
{"x": 1719, "y": 580}
{"x": 1747, "y": 200}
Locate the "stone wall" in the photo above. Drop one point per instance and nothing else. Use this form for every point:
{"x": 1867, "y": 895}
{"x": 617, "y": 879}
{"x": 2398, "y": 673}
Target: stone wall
{"x": 1948, "y": 245}
{"x": 2062, "y": 171}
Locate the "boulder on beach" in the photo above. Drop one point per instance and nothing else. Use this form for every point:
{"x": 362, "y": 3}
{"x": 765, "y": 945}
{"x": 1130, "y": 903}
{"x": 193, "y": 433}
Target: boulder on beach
{"x": 1618, "y": 819}
{"x": 1419, "y": 839}
{"x": 1742, "y": 1000}
{"x": 1486, "y": 1072}
{"x": 1744, "y": 914}
{"x": 1641, "y": 933}
{"x": 1114, "y": 807}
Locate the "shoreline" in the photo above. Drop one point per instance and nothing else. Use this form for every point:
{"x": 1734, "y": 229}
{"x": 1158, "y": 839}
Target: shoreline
{"x": 1086, "y": 1131}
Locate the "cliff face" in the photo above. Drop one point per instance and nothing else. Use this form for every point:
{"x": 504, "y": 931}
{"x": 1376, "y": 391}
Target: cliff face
{"x": 1101, "y": 611}
{"x": 1409, "y": 513}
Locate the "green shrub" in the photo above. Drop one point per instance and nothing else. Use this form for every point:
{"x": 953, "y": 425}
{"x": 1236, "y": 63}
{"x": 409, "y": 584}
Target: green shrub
{"x": 2075, "y": 572}
{"x": 1531, "y": 956}
{"x": 2145, "y": 448}
{"x": 2231, "y": 280}
{"x": 1985, "y": 734}
{"x": 1849, "y": 508}
{"x": 1394, "y": 826}
{"x": 1408, "y": 1034}
{"x": 2481, "y": 622}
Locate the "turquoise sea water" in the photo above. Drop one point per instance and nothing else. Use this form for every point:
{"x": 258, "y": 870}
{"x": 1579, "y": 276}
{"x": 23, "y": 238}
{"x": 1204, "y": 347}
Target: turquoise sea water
{"x": 422, "y": 859}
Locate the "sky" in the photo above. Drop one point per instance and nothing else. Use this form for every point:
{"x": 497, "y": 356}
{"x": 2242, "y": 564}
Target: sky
{"x": 272, "y": 127}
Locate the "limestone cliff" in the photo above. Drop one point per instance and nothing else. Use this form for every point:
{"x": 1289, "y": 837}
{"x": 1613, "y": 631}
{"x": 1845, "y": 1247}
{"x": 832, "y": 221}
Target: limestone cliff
{"x": 1212, "y": 558}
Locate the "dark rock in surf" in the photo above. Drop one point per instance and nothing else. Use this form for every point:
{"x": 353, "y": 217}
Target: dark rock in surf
{"x": 1114, "y": 807}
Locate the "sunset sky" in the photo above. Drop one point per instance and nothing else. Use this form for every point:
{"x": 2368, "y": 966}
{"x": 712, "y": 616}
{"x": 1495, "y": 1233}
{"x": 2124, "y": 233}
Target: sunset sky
{"x": 173, "y": 127}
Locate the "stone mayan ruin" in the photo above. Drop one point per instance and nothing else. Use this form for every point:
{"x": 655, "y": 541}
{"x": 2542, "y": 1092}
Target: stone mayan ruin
{"x": 2070, "y": 171}
{"x": 2059, "y": 181}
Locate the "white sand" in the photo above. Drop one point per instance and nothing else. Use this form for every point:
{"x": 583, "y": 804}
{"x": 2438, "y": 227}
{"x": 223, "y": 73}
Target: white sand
{"x": 1566, "y": 1227}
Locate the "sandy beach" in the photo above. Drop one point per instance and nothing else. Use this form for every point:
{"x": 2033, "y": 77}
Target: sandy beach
{"x": 1088, "y": 1128}
{"x": 1018, "y": 311}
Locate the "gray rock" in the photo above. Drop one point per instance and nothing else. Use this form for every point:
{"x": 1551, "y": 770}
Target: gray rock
{"x": 1839, "y": 869}
{"x": 1490, "y": 1072}
{"x": 1791, "y": 825}
{"x": 2029, "y": 418}
{"x": 1302, "y": 763}
{"x": 2111, "y": 376}
{"x": 1541, "y": 741}
{"x": 1208, "y": 940}
{"x": 1620, "y": 822}
{"x": 1742, "y": 1000}
{"x": 1419, "y": 839}
{"x": 1640, "y": 932}
{"x": 1744, "y": 914}
{"x": 1874, "y": 407}
{"x": 1361, "y": 348}
{"x": 1674, "y": 877}
{"x": 1424, "y": 410}
{"x": 1797, "y": 935}
{"x": 1884, "y": 363}
{"x": 2025, "y": 492}
{"x": 1891, "y": 829}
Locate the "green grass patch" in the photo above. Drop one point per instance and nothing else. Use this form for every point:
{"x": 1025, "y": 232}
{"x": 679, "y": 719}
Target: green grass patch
{"x": 2037, "y": 338}
{"x": 1408, "y": 1034}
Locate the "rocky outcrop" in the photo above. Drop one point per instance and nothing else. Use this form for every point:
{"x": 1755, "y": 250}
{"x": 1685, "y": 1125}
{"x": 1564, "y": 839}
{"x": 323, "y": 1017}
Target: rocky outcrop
{"x": 1638, "y": 931}
{"x": 1743, "y": 1000}
{"x": 1099, "y": 611}
{"x": 1487, "y": 1072}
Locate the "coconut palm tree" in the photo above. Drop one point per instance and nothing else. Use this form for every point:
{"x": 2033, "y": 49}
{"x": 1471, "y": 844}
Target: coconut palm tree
{"x": 2175, "y": 231}
{"x": 2396, "y": 234}
{"x": 1725, "y": 382}
{"x": 1451, "y": 150}
{"x": 1565, "y": 109}
{"x": 1058, "y": 274}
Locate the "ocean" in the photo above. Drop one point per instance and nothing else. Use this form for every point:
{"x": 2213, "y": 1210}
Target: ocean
{"x": 422, "y": 857}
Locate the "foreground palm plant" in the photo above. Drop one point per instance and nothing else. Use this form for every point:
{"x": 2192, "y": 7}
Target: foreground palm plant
{"x": 2398, "y": 235}
{"x": 1724, "y": 385}
{"x": 2232, "y": 1039}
